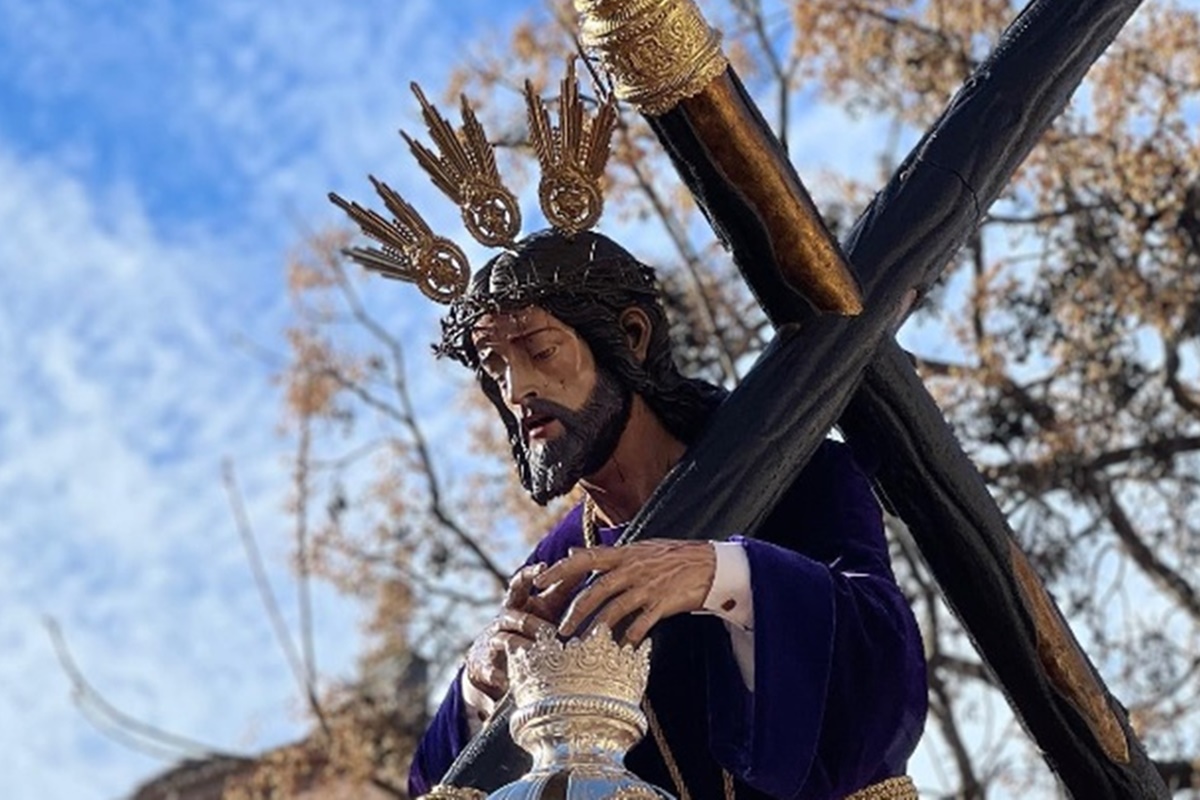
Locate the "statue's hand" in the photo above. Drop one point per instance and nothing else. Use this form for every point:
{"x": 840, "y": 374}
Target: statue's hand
{"x": 638, "y": 584}
{"x": 522, "y": 614}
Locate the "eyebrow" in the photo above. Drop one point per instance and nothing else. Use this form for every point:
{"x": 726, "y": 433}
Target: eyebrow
{"x": 486, "y": 335}
{"x": 530, "y": 334}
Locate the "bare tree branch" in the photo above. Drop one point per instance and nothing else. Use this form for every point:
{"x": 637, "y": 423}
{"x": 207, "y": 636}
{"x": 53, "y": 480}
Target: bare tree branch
{"x": 942, "y": 708}
{"x": 118, "y": 725}
{"x": 692, "y": 262}
{"x": 1188, "y": 399}
{"x": 1180, "y": 775}
{"x": 408, "y": 419}
{"x": 282, "y": 635}
{"x": 1168, "y": 579}
{"x": 303, "y": 561}
{"x": 751, "y": 12}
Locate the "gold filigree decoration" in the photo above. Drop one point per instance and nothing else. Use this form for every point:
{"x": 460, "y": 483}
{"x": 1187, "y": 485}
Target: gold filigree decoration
{"x": 899, "y": 788}
{"x": 658, "y": 52}
{"x": 465, "y": 170}
{"x": 572, "y": 156}
{"x": 444, "y": 791}
{"x": 593, "y": 665}
{"x": 409, "y": 250}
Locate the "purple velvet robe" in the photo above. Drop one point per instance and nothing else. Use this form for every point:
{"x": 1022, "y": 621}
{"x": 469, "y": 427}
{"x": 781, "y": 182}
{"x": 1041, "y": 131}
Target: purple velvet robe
{"x": 839, "y": 698}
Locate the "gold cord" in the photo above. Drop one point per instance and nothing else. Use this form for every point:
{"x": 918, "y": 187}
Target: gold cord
{"x": 660, "y": 739}
{"x": 589, "y": 522}
{"x": 591, "y": 539}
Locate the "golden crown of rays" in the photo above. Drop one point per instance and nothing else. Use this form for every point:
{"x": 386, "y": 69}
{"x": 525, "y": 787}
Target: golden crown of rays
{"x": 571, "y": 157}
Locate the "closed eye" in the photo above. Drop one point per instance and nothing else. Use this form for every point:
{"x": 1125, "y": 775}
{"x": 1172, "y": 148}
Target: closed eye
{"x": 545, "y": 353}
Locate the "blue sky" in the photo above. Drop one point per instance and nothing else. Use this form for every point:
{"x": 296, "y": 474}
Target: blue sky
{"x": 157, "y": 161}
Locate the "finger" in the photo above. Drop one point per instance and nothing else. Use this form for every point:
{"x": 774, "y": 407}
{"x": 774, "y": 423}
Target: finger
{"x": 490, "y": 671}
{"x": 578, "y": 564}
{"x": 521, "y": 586}
{"x": 496, "y": 680}
{"x": 619, "y": 608}
{"x": 602, "y": 590}
{"x": 509, "y": 643}
{"x": 639, "y": 627}
{"x": 487, "y": 669}
{"x": 552, "y": 602}
{"x": 519, "y": 622}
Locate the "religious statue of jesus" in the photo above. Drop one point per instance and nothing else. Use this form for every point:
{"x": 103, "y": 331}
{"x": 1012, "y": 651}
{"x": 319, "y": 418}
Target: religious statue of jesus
{"x": 787, "y": 665}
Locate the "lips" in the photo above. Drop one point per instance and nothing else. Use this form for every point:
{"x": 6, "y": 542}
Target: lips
{"x": 537, "y": 425}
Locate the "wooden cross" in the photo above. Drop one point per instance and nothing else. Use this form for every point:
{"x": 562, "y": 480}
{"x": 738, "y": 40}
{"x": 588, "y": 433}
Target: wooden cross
{"x": 822, "y": 370}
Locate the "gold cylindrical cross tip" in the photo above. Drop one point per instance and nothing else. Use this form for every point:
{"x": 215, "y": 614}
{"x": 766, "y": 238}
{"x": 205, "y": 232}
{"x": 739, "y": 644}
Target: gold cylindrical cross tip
{"x": 658, "y": 52}
{"x": 664, "y": 57}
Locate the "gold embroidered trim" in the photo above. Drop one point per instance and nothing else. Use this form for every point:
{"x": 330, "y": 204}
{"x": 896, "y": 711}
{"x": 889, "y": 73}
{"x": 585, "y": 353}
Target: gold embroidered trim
{"x": 899, "y": 788}
{"x": 444, "y": 791}
{"x": 658, "y": 52}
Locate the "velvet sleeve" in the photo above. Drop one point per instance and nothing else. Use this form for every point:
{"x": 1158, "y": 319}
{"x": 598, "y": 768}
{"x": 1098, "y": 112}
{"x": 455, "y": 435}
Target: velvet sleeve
{"x": 839, "y": 690}
{"x": 444, "y": 739}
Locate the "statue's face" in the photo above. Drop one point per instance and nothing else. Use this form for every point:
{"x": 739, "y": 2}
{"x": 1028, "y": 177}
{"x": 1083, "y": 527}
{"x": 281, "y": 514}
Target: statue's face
{"x": 571, "y": 412}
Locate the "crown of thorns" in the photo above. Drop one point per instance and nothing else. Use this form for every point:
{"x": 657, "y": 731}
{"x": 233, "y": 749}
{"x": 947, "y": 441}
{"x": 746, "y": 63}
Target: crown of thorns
{"x": 571, "y": 156}
{"x": 521, "y": 280}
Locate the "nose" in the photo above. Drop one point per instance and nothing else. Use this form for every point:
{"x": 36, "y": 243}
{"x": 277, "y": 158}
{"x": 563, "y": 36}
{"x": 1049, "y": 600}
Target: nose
{"x": 521, "y": 382}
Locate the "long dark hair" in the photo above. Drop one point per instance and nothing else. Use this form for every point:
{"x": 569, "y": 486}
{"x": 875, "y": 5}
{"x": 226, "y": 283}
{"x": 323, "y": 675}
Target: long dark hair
{"x": 586, "y": 281}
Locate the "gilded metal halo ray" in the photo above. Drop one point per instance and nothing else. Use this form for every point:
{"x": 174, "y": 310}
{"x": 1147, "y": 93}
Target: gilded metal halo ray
{"x": 464, "y": 168}
{"x": 409, "y": 250}
{"x": 462, "y": 164}
{"x": 572, "y": 156}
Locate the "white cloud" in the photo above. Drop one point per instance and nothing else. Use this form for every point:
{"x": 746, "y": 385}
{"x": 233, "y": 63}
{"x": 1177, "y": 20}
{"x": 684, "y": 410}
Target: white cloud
{"x": 121, "y": 396}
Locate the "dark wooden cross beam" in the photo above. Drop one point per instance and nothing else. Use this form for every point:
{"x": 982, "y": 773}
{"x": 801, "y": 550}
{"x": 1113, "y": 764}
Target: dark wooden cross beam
{"x": 822, "y": 370}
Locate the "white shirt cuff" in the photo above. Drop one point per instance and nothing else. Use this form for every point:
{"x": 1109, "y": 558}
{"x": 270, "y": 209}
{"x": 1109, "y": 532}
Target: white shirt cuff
{"x": 729, "y": 597}
{"x": 479, "y": 706}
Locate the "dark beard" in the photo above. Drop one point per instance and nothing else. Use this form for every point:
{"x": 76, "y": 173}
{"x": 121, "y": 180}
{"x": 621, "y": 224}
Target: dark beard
{"x": 589, "y": 437}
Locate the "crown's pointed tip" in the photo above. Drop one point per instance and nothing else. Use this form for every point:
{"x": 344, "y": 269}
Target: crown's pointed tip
{"x": 416, "y": 89}
{"x": 381, "y": 188}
